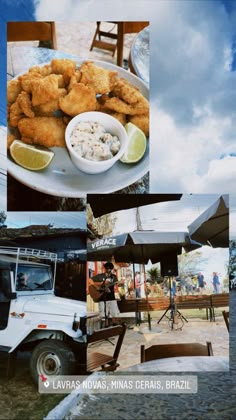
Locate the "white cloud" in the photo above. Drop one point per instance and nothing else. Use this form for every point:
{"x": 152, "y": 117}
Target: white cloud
{"x": 192, "y": 158}
{"x": 93, "y": 10}
{"x": 193, "y": 103}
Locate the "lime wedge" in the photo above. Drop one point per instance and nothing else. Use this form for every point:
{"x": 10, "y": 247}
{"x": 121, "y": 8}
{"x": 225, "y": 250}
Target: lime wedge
{"x": 137, "y": 143}
{"x": 30, "y": 157}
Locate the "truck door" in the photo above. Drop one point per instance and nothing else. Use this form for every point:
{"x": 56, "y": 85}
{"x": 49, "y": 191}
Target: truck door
{"x": 5, "y": 286}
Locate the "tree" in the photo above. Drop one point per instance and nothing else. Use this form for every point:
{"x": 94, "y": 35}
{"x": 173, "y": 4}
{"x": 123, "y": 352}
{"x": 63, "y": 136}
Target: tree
{"x": 190, "y": 263}
{"x": 154, "y": 274}
{"x": 3, "y": 217}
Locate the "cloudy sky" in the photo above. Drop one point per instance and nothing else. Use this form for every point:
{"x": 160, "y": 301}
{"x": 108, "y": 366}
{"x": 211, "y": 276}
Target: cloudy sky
{"x": 193, "y": 102}
{"x": 170, "y": 216}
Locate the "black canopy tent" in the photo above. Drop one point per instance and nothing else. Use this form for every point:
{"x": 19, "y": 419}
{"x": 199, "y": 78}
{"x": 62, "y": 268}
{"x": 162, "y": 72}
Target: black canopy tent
{"x": 212, "y": 226}
{"x": 103, "y": 204}
{"x": 140, "y": 246}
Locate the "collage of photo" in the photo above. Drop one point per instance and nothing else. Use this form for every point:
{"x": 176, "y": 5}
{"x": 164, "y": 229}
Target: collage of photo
{"x": 117, "y": 212}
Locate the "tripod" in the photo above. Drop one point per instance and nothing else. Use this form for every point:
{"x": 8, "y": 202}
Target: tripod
{"x": 173, "y": 309}
{"x": 106, "y": 317}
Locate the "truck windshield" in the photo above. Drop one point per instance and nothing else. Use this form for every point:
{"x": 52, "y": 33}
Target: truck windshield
{"x": 33, "y": 278}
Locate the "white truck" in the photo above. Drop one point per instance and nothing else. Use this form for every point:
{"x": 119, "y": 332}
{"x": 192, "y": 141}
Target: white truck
{"x": 33, "y": 319}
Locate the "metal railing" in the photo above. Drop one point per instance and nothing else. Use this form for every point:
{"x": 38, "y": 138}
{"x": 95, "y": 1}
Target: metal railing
{"x": 31, "y": 254}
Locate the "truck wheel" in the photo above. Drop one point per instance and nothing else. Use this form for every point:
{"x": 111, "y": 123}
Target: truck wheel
{"x": 52, "y": 357}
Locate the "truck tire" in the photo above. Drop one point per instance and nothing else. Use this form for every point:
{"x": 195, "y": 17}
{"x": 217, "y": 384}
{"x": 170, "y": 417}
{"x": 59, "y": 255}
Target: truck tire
{"x": 52, "y": 357}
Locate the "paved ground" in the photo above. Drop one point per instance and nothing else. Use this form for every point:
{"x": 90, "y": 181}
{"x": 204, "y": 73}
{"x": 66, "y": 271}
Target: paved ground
{"x": 195, "y": 330}
{"x": 76, "y": 38}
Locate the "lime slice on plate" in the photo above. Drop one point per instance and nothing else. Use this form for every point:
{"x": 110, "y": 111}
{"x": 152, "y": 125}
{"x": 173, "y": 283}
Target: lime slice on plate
{"x": 137, "y": 143}
{"x": 30, "y": 157}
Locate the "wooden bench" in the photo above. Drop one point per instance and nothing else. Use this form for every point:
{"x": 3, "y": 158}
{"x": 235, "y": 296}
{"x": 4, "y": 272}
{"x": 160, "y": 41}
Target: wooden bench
{"x": 104, "y": 361}
{"x": 199, "y": 302}
{"x": 220, "y": 300}
{"x": 143, "y": 305}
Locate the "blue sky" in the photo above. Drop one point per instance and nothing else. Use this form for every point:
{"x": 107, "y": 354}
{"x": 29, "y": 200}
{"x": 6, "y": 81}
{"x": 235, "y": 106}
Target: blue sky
{"x": 193, "y": 82}
{"x": 72, "y": 220}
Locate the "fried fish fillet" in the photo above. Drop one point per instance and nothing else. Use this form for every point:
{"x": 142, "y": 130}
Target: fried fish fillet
{"x": 81, "y": 98}
{"x": 13, "y": 90}
{"x": 15, "y": 114}
{"x": 117, "y": 105}
{"x": 49, "y": 107}
{"x": 45, "y": 89}
{"x": 141, "y": 121}
{"x": 10, "y": 139}
{"x": 124, "y": 90}
{"x": 98, "y": 78}
{"x": 27, "y": 79}
{"x": 42, "y": 70}
{"x": 24, "y": 100}
{"x": 45, "y": 131}
{"x": 62, "y": 65}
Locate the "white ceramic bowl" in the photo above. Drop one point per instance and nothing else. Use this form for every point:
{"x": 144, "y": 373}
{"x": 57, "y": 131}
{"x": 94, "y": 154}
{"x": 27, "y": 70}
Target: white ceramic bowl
{"x": 112, "y": 125}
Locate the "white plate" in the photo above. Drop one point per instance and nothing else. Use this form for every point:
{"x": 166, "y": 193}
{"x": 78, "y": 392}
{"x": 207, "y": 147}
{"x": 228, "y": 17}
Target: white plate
{"x": 63, "y": 179}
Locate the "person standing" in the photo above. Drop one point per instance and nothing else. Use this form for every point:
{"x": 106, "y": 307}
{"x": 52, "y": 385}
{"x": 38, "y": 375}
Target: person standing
{"x": 188, "y": 285}
{"x": 216, "y": 283}
{"x": 137, "y": 285}
{"x": 104, "y": 284}
{"x": 201, "y": 283}
{"x": 173, "y": 287}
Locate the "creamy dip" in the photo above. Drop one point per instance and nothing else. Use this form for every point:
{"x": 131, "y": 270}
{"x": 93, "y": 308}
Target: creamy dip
{"x": 91, "y": 141}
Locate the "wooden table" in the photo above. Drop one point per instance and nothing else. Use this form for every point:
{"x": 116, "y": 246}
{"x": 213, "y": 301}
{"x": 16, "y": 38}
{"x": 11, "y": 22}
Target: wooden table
{"x": 21, "y": 197}
{"x": 183, "y": 364}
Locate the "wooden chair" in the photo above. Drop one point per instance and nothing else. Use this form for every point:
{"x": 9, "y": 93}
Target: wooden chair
{"x": 101, "y": 360}
{"x": 226, "y": 318}
{"x": 32, "y": 31}
{"x": 162, "y": 351}
{"x": 122, "y": 29}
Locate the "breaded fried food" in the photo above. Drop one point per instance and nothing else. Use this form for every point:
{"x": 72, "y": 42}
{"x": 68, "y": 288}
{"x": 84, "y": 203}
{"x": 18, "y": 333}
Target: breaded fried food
{"x": 124, "y": 90}
{"x": 81, "y": 98}
{"x": 141, "y": 121}
{"x": 15, "y": 114}
{"x": 120, "y": 117}
{"x": 24, "y": 101}
{"x": 49, "y": 107}
{"x": 42, "y": 70}
{"x": 44, "y": 89}
{"x": 75, "y": 78}
{"x": 45, "y": 131}
{"x": 27, "y": 79}
{"x": 10, "y": 139}
{"x": 62, "y": 65}
{"x": 117, "y": 105}
{"x": 98, "y": 78}
{"x": 13, "y": 90}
